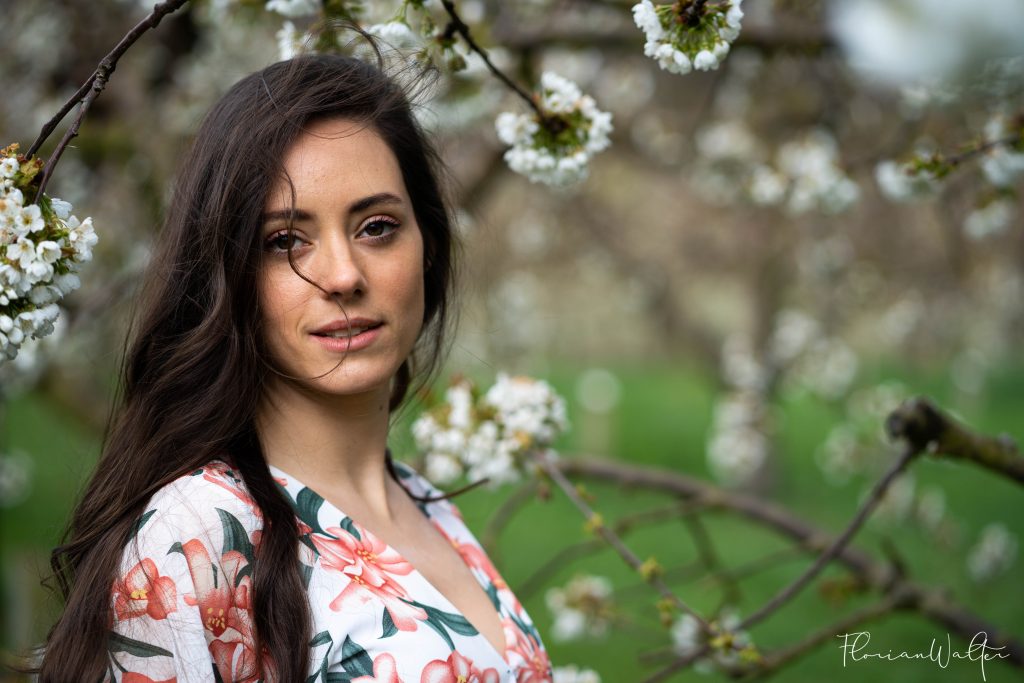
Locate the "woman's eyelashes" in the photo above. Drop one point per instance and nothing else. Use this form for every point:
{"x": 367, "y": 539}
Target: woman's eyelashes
{"x": 386, "y": 222}
{"x": 278, "y": 244}
{"x": 279, "y": 241}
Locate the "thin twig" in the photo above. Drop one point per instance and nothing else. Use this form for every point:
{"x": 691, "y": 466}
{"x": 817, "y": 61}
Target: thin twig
{"x": 622, "y": 526}
{"x": 460, "y": 27}
{"x": 612, "y": 538}
{"x": 710, "y": 559}
{"x": 787, "y": 593}
{"x": 93, "y": 86}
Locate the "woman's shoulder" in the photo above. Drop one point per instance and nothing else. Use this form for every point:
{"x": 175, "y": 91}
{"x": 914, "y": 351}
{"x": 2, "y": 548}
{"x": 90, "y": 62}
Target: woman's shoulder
{"x": 201, "y": 502}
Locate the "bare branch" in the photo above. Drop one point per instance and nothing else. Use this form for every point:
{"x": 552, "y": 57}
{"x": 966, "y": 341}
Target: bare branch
{"x": 787, "y": 593}
{"x": 459, "y": 26}
{"x": 92, "y": 87}
{"x": 918, "y": 421}
{"x": 932, "y": 604}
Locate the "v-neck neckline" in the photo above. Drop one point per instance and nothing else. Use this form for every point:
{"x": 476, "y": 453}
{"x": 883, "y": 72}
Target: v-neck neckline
{"x": 423, "y": 507}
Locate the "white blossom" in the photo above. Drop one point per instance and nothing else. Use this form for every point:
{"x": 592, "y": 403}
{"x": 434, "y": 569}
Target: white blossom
{"x": 817, "y": 181}
{"x": 728, "y": 139}
{"x": 397, "y": 34}
{"x": 581, "y": 608}
{"x": 16, "y": 471}
{"x": 573, "y": 674}
{"x": 528, "y": 407}
{"x": 1002, "y": 164}
{"x": 293, "y": 8}
{"x": 290, "y": 41}
{"x": 737, "y": 445}
{"x": 839, "y": 457}
{"x": 900, "y": 183}
{"x": 687, "y": 638}
{"x": 443, "y": 468}
{"x": 767, "y": 186}
{"x": 555, "y": 157}
{"x": 61, "y": 208}
{"x": 793, "y": 333}
{"x": 39, "y": 254}
{"x": 8, "y": 167}
{"x": 489, "y": 437}
{"x": 994, "y": 552}
{"x": 991, "y": 219}
{"x": 681, "y": 48}
{"x": 827, "y": 368}
{"x": 897, "y": 503}
{"x": 460, "y": 399}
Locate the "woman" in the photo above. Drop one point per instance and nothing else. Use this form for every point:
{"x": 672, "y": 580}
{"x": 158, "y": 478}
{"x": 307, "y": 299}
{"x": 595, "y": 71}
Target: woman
{"x": 246, "y": 521}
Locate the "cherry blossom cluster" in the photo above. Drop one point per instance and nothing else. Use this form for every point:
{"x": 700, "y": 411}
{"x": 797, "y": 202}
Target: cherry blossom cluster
{"x": 688, "y": 35}
{"x": 582, "y": 608}
{"x": 738, "y": 443}
{"x": 1001, "y": 160}
{"x": 42, "y": 246}
{"x": 905, "y": 182}
{"x": 803, "y": 176}
{"x": 489, "y": 435}
{"x": 427, "y": 42}
{"x": 729, "y": 647}
{"x": 556, "y": 148}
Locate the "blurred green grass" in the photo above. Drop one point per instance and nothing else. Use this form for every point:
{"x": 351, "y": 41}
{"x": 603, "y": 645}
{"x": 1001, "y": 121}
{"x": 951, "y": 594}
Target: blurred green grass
{"x": 662, "y": 419}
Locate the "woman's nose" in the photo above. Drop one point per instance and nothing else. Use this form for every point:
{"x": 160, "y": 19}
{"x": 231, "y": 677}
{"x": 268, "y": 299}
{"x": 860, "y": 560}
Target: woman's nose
{"x": 341, "y": 269}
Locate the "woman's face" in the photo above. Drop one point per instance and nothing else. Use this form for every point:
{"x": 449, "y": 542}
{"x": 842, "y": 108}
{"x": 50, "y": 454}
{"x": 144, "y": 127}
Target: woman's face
{"x": 356, "y": 236}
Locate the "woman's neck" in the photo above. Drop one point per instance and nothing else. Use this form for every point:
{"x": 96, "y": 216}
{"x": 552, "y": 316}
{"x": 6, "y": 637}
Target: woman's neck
{"x": 335, "y": 444}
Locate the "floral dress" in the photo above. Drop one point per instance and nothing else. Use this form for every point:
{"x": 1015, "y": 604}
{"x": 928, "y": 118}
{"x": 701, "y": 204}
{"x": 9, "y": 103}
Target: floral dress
{"x": 181, "y": 607}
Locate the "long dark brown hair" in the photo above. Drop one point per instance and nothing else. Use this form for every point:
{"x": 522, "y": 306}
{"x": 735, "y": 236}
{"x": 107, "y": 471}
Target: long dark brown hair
{"x": 194, "y": 362}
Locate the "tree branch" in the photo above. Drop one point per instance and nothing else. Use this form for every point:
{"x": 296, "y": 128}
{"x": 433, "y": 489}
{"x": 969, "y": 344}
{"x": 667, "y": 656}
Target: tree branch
{"x": 787, "y": 593}
{"x": 921, "y": 423}
{"x": 552, "y": 470}
{"x": 932, "y": 604}
{"x": 91, "y": 89}
{"x": 460, "y": 27}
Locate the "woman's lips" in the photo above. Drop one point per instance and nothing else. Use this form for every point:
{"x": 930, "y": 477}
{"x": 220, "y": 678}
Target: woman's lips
{"x": 342, "y": 344}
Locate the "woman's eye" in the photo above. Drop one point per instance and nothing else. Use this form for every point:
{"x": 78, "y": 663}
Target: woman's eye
{"x": 280, "y": 241}
{"x": 381, "y": 228}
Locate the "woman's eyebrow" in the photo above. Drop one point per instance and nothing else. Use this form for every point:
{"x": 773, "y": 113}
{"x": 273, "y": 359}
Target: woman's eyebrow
{"x": 285, "y": 214}
{"x": 354, "y": 207}
{"x": 373, "y": 200}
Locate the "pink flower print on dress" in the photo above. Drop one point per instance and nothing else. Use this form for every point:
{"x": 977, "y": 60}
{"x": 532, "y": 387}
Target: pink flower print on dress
{"x": 370, "y": 565}
{"x": 384, "y": 671}
{"x": 220, "y": 473}
{"x": 144, "y": 591}
{"x": 457, "y": 669}
{"x": 536, "y": 667}
{"x": 224, "y": 603}
{"x": 131, "y": 677}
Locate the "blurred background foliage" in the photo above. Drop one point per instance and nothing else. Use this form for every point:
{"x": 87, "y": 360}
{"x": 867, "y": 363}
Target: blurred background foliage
{"x": 693, "y": 318}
